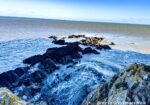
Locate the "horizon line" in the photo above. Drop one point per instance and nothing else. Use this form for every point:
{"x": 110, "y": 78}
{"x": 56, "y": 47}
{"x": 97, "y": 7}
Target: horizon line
{"x": 73, "y": 20}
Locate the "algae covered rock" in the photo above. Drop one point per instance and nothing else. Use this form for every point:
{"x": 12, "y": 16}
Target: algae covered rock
{"x": 8, "y": 98}
{"x": 129, "y": 85}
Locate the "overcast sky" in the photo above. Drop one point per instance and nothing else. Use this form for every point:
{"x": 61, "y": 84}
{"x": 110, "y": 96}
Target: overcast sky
{"x": 130, "y": 11}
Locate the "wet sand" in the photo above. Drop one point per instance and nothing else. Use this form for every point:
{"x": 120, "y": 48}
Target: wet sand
{"x": 130, "y": 37}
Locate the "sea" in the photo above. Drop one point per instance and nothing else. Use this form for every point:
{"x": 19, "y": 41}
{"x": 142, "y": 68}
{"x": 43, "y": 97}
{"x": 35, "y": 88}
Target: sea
{"x": 21, "y": 38}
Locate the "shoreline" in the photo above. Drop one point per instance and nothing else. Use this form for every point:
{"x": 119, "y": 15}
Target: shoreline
{"x": 128, "y": 37}
{"x": 124, "y": 43}
{"x": 71, "y": 66}
{"x": 134, "y": 43}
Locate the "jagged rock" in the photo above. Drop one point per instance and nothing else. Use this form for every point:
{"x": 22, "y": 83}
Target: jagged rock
{"x": 4, "y": 82}
{"x": 105, "y": 47}
{"x": 53, "y": 37}
{"x": 128, "y": 85}
{"x": 89, "y": 50}
{"x": 76, "y": 55}
{"x": 8, "y": 98}
{"x": 91, "y": 41}
{"x": 48, "y": 66}
{"x": 64, "y": 54}
{"x": 37, "y": 76}
{"x": 112, "y": 43}
{"x": 76, "y": 36}
{"x": 27, "y": 82}
{"x": 21, "y": 70}
{"x": 40, "y": 66}
{"x": 10, "y": 78}
{"x": 34, "y": 59}
{"x": 7, "y": 78}
{"x": 60, "y": 42}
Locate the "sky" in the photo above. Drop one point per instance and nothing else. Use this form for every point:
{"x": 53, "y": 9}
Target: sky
{"x": 124, "y": 11}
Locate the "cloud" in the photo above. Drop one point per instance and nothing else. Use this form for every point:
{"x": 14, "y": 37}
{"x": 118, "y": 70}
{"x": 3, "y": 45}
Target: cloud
{"x": 99, "y": 10}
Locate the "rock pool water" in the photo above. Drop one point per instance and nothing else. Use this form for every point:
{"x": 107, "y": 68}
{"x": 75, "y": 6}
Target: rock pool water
{"x": 74, "y": 83}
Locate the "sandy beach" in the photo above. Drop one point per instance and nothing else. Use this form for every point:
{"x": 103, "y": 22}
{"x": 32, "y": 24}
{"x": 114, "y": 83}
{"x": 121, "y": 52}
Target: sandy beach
{"x": 130, "y": 37}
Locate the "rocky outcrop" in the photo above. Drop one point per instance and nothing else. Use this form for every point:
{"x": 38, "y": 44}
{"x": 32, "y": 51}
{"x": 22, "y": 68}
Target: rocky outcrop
{"x": 105, "y": 47}
{"x": 91, "y": 41}
{"x": 27, "y": 82}
{"x": 30, "y": 78}
{"x": 84, "y": 40}
{"x": 53, "y": 37}
{"x": 8, "y": 98}
{"x": 64, "y": 55}
{"x": 76, "y": 36}
{"x": 89, "y": 50}
{"x": 60, "y": 42}
{"x": 61, "y": 55}
{"x": 34, "y": 59}
{"x": 35, "y": 73}
{"x": 130, "y": 85}
{"x": 40, "y": 65}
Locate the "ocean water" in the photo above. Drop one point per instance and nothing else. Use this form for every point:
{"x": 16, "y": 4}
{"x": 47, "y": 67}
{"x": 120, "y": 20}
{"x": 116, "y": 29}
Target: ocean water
{"x": 21, "y": 38}
{"x": 21, "y": 28}
{"x": 83, "y": 77}
{"x": 13, "y": 52}
{"x": 89, "y": 73}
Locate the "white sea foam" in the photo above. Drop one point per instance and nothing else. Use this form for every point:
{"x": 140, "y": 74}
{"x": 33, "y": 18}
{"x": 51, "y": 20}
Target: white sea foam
{"x": 69, "y": 85}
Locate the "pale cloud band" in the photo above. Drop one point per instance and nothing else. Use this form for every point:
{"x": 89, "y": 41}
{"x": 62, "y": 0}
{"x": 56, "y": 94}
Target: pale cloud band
{"x": 130, "y": 11}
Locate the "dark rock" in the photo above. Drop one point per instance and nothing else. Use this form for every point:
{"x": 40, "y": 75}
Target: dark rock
{"x": 91, "y": 41}
{"x": 4, "y": 82}
{"x": 27, "y": 82}
{"x": 48, "y": 65}
{"x": 24, "y": 80}
{"x": 121, "y": 84}
{"x": 134, "y": 86}
{"x": 76, "y": 55}
{"x": 19, "y": 71}
{"x": 123, "y": 87}
{"x": 112, "y": 43}
{"x": 76, "y": 36}
{"x": 34, "y": 59}
{"x": 53, "y": 37}
{"x": 16, "y": 84}
{"x": 89, "y": 50}
{"x": 10, "y": 76}
{"x": 37, "y": 76}
{"x": 147, "y": 68}
{"x": 67, "y": 78}
{"x": 64, "y": 54}
{"x": 65, "y": 60}
{"x": 60, "y": 42}
{"x": 105, "y": 47}
{"x": 69, "y": 66}
{"x": 35, "y": 90}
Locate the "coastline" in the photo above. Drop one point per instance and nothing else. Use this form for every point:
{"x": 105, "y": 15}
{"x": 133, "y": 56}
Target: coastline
{"x": 125, "y": 43}
{"x": 70, "y": 69}
{"x": 127, "y": 37}
{"x": 130, "y": 43}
